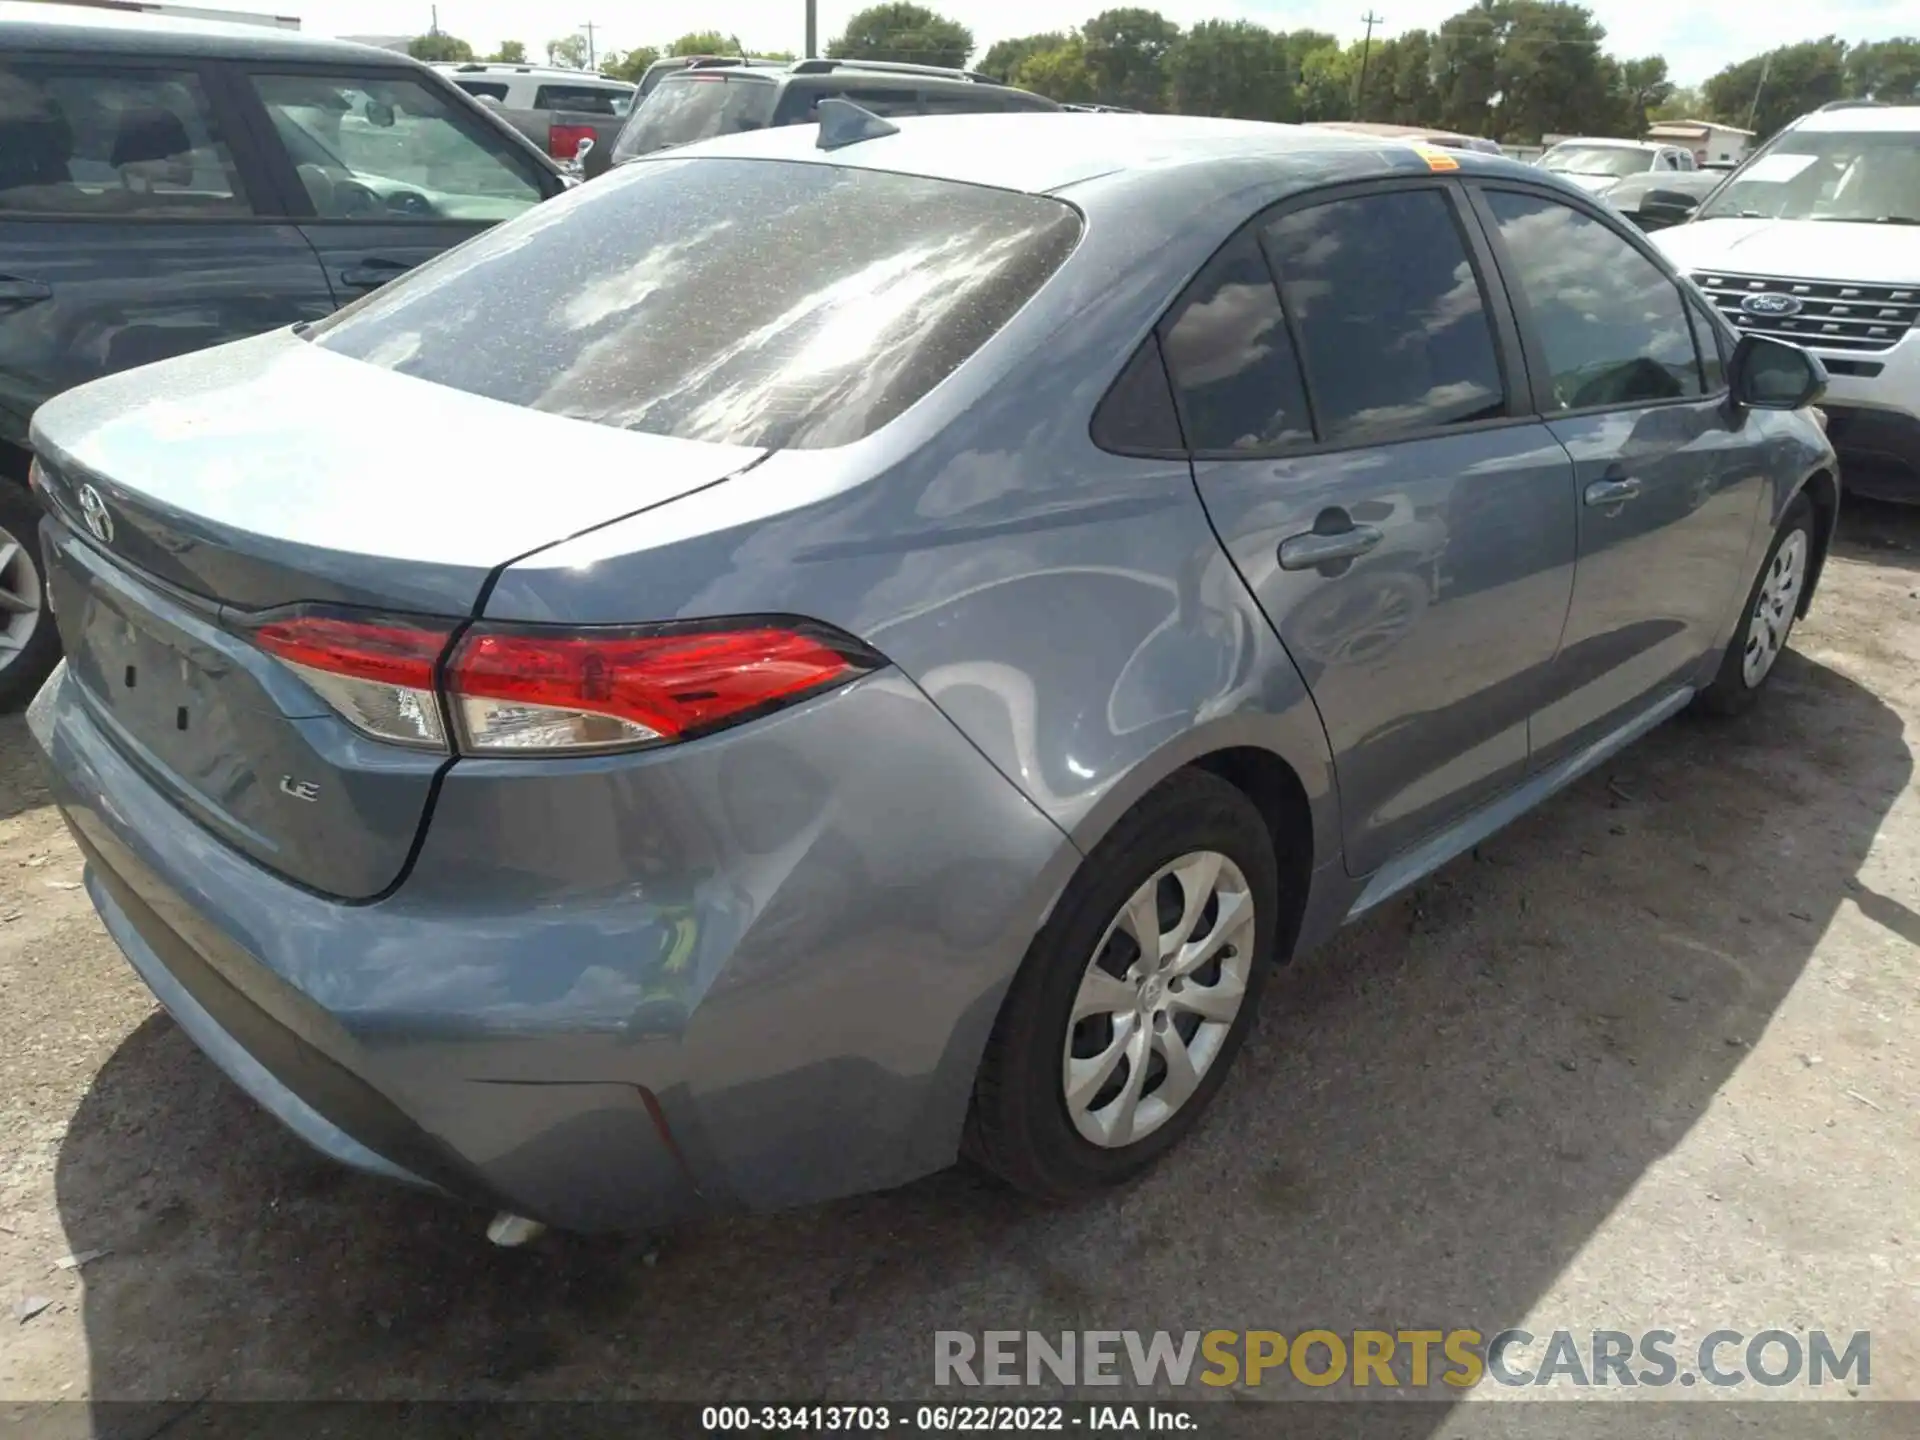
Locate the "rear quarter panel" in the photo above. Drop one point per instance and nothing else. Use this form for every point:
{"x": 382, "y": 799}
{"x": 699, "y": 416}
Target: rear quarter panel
{"x": 1071, "y": 611}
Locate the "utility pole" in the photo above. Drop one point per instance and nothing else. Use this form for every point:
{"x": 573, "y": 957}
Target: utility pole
{"x": 433, "y": 26}
{"x": 813, "y": 28}
{"x": 591, "y": 53}
{"x": 1366, "y": 50}
{"x": 1754, "y": 109}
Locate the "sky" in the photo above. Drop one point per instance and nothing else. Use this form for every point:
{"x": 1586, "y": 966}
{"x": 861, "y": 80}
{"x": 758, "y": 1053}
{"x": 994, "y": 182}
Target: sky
{"x": 1698, "y": 37}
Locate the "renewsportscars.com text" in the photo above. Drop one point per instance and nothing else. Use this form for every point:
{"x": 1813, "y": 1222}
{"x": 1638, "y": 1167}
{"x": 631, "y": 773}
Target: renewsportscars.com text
{"x": 1401, "y": 1359}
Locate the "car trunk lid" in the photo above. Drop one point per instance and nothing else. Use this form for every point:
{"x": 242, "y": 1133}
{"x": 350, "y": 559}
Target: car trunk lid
{"x": 189, "y": 497}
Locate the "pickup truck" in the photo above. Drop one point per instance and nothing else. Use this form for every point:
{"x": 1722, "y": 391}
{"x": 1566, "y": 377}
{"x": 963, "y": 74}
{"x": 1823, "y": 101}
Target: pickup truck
{"x": 553, "y": 107}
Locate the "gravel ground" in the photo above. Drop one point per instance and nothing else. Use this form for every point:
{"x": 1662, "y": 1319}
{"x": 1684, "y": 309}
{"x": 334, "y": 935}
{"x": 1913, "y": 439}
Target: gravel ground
{"x": 1643, "y": 1060}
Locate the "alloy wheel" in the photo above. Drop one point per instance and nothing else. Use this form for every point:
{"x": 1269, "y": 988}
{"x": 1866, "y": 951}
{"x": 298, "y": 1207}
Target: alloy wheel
{"x": 1158, "y": 999}
{"x": 1774, "y": 607}
{"x": 20, "y": 598}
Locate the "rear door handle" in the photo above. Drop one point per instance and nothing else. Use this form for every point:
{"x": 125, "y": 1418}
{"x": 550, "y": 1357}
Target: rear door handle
{"x": 16, "y": 291}
{"x": 370, "y": 274}
{"x": 1314, "y": 548}
{"x": 1612, "y": 492}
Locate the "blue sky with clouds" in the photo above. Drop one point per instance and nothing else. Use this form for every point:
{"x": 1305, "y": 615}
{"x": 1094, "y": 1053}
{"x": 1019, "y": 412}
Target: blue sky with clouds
{"x": 1696, "y": 36}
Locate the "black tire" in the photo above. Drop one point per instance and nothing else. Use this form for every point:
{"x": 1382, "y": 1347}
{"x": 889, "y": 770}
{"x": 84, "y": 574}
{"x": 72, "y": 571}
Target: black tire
{"x": 23, "y": 669}
{"x": 1731, "y": 693}
{"x": 1019, "y": 1127}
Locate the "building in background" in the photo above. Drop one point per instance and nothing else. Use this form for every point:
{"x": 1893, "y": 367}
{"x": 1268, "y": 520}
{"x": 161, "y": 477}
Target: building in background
{"x": 189, "y": 12}
{"x": 1715, "y": 145}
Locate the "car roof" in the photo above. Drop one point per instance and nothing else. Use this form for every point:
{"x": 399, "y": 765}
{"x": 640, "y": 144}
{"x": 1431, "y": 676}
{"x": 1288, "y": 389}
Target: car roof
{"x": 532, "y": 72}
{"x": 835, "y": 73}
{"x": 120, "y": 32}
{"x": 1896, "y": 119}
{"x": 1042, "y": 152}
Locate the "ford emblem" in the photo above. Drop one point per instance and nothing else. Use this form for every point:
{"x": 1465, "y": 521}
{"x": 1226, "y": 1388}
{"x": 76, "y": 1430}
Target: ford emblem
{"x": 1768, "y": 303}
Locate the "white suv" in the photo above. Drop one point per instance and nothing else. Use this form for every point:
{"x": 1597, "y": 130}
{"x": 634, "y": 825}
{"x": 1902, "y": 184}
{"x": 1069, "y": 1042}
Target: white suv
{"x": 1816, "y": 240}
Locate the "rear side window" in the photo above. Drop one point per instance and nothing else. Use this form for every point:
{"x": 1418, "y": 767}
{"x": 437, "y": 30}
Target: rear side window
{"x": 86, "y": 141}
{"x": 739, "y": 301}
{"x": 697, "y": 106}
{"x": 1390, "y": 316}
{"x": 584, "y": 99}
{"x": 801, "y": 104}
{"x": 1232, "y": 364}
{"x": 485, "y": 89}
{"x": 1138, "y": 416}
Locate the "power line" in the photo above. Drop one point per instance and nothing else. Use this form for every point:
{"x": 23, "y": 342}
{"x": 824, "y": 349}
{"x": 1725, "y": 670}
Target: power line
{"x": 1754, "y": 109}
{"x": 1366, "y": 49}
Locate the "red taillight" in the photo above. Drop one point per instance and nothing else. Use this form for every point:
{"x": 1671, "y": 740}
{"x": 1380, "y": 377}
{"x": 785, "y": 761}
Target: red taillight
{"x": 563, "y": 141}
{"x": 378, "y": 673}
{"x": 537, "y": 690}
{"x": 533, "y": 690}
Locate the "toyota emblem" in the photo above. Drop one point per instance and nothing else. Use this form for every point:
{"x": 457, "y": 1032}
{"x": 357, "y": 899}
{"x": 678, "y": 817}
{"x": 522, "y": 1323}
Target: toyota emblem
{"x": 1770, "y": 303}
{"x": 94, "y": 511}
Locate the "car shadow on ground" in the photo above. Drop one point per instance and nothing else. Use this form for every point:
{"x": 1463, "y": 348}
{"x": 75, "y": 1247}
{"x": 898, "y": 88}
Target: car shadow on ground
{"x": 1879, "y": 533}
{"x": 1434, "y": 1115}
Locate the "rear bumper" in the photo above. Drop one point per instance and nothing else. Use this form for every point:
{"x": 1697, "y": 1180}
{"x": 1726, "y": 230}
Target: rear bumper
{"x": 613, "y": 996}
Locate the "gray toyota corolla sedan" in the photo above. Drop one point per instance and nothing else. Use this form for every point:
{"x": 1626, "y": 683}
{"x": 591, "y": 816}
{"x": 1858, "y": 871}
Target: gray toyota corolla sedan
{"x": 835, "y": 648}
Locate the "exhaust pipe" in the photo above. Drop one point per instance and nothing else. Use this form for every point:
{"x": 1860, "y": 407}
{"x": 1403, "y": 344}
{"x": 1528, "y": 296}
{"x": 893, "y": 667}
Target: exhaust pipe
{"x": 510, "y": 1231}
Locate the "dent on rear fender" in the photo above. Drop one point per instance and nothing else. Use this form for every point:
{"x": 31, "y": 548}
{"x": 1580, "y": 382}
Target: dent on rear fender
{"x": 794, "y": 934}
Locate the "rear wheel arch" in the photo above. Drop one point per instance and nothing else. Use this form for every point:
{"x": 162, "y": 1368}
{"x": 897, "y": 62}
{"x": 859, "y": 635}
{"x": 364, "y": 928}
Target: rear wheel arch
{"x": 1277, "y": 793}
{"x": 13, "y": 463}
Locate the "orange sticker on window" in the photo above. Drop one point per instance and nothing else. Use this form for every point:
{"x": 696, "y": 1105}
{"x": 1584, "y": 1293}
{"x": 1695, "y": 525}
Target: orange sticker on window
{"x": 1436, "y": 159}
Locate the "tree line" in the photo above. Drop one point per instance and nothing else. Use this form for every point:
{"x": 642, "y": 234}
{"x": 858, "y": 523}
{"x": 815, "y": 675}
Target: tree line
{"x": 1513, "y": 70}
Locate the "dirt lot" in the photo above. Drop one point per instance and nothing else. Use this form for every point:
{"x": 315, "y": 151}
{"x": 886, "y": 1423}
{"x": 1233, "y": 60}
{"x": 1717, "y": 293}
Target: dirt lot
{"x": 1645, "y": 1060}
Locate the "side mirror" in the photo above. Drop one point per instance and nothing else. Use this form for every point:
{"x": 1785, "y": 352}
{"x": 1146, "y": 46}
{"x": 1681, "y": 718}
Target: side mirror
{"x": 1774, "y": 375}
{"x": 1669, "y": 200}
{"x": 1667, "y": 207}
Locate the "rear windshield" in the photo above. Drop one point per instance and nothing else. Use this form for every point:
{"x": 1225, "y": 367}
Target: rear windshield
{"x": 752, "y": 302}
{"x": 697, "y": 106}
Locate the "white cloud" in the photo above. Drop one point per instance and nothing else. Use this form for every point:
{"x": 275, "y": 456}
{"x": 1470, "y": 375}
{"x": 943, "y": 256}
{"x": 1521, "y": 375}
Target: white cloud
{"x": 1697, "y": 38}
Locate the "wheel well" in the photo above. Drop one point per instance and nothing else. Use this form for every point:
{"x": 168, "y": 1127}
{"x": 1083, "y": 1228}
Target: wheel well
{"x": 1276, "y": 792}
{"x": 13, "y": 462}
{"x": 1823, "y": 493}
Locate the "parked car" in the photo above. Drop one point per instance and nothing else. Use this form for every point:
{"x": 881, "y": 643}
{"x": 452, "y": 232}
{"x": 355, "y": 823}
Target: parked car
{"x": 168, "y": 185}
{"x": 670, "y": 64}
{"x": 705, "y": 100}
{"x": 1655, "y": 199}
{"x": 1813, "y": 240}
{"x": 555, "y": 108}
{"x": 990, "y": 586}
{"x": 1416, "y": 135}
{"x": 1597, "y": 165}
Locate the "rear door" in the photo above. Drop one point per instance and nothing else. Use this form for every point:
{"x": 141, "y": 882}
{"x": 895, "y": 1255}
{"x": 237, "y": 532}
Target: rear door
{"x": 1362, "y": 442}
{"x": 135, "y": 224}
{"x": 384, "y": 167}
{"x": 1669, "y": 482}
